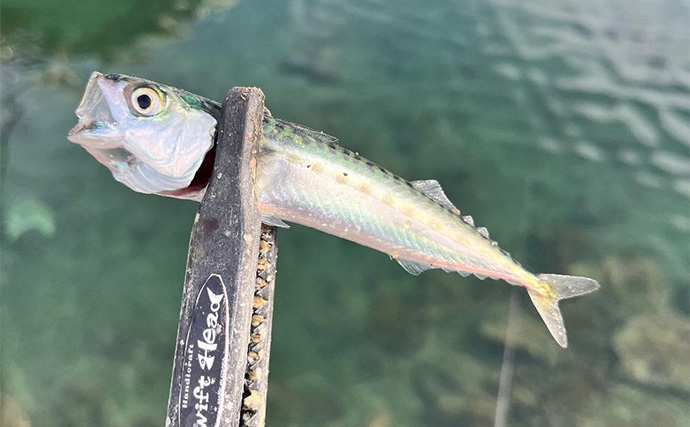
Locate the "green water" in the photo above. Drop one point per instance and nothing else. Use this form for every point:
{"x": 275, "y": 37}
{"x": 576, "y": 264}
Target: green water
{"x": 563, "y": 127}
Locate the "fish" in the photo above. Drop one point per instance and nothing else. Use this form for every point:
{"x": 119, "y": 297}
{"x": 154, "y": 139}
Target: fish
{"x": 157, "y": 139}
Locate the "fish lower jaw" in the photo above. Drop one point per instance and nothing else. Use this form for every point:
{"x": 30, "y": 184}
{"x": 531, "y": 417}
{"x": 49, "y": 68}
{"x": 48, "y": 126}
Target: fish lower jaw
{"x": 121, "y": 157}
{"x": 117, "y": 159}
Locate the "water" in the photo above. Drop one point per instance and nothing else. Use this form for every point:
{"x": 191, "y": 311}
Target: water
{"x": 562, "y": 127}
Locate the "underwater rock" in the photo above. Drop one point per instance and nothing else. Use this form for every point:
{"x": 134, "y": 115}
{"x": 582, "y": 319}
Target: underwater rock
{"x": 13, "y": 413}
{"x": 379, "y": 419}
{"x": 59, "y": 72}
{"x": 637, "y": 282}
{"x": 655, "y": 349}
{"x": 458, "y": 390}
{"x": 563, "y": 391}
{"x": 84, "y": 401}
{"x": 632, "y": 407}
{"x": 395, "y": 324}
{"x": 305, "y": 397}
{"x": 528, "y": 334}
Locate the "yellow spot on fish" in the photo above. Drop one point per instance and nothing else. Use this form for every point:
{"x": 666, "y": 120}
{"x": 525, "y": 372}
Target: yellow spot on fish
{"x": 364, "y": 188}
{"x": 409, "y": 211}
{"x": 407, "y": 224}
{"x": 317, "y": 167}
{"x": 341, "y": 178}
{"x": 388, "y": 200}
{"x": 292, "y": 158}
{"x": 433, "y": 224}
{"x": 456, "y": 211}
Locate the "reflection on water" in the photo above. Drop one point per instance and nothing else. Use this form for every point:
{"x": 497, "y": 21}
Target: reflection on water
{"x": 562, "y": 127}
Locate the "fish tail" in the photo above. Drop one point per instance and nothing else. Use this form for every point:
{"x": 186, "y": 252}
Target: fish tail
{"x": 555, "y": 287}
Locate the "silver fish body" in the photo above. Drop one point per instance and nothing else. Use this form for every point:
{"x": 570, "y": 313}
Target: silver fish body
{"x": 310, "y": 180}
{"x": 303, "y": 176}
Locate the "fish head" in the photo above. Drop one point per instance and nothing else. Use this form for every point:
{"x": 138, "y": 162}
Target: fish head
{"x": 152, "y": 137}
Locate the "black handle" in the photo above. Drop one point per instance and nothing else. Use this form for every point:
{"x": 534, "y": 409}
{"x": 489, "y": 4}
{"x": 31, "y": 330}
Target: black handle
{"x": 212, "y": 373}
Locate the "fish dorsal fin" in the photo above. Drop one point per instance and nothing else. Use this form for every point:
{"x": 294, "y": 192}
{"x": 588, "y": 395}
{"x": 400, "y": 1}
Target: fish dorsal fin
{"x": 433, "y": 190}
{"x": 273, "y": 221}
{"x": 413, "y": 268}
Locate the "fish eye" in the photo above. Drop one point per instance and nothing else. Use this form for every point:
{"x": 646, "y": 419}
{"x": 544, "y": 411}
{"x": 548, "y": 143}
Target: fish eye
{"x": 147, "y": 101}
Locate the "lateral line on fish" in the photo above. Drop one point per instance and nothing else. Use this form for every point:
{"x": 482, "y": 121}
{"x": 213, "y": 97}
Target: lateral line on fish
{"x": 452, "y": 216}
{"x": 285, "y": 127}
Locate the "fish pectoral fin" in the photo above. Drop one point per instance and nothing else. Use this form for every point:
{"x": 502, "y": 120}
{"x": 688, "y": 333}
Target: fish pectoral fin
{"x": 413, "y": 268}
{"x": 558, "y": 287}
{"x": 433, "y": 190}
{"x": 273, "y": 221}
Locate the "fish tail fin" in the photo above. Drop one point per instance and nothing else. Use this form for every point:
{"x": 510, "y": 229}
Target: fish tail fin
{"x": 558, "y": 287}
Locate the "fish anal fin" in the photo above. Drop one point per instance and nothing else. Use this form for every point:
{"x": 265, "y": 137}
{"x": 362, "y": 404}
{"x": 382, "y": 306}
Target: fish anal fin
{"x": 413, "y": 268}
{"x": 554, "y": 288}
{"x": 433, "y": 190}
{"x": 273, "y": 221}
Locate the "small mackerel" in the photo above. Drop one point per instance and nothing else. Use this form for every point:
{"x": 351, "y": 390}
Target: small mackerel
{"x": 158, "y": 139}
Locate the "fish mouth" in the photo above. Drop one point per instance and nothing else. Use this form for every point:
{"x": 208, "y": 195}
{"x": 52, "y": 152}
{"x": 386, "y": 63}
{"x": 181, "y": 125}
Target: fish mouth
{"x": 97, "y": 126}
{"x": 97, "y": 130}
{"x": 143, "y": 156}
